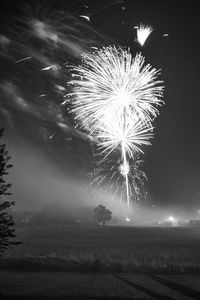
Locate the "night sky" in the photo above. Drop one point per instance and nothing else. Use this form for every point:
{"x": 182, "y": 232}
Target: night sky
{"x": 47, "y": 150}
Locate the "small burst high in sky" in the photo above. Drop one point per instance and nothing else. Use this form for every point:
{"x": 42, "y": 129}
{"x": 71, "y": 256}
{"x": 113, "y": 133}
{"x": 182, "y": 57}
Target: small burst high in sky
{"x": 143, "y": 32}
{"x": 116, "y": 98}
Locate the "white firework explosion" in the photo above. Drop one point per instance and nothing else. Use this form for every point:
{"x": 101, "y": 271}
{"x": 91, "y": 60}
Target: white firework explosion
{"x": 116, "y": 98}
{"x": 112, "y": 79}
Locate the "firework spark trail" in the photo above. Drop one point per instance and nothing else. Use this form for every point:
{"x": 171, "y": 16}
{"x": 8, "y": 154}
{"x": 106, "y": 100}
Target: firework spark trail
{"x": 115, "y": 98}
{"x": 59, "y": 34}
{"x": 39, "y": 44}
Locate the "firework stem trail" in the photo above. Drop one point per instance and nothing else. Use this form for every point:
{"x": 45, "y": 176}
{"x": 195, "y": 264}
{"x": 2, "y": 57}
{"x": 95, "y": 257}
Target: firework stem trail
{"x": 125, "y": 165}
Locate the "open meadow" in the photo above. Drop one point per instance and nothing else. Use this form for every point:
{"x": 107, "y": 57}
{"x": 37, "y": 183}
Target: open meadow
{"x": 105, "y": 249}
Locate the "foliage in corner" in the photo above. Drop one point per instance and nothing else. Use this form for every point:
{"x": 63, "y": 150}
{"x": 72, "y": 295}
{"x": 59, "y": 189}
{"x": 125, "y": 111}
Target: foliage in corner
{"x": 7, "y": 230}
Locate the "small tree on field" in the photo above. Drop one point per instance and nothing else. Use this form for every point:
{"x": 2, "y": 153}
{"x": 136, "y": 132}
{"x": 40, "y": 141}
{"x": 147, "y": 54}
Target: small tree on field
{"x": 102, "y": 214}
{"x": 7, "y": 230}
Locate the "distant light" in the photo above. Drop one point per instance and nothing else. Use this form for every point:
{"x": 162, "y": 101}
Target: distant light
{"x": 172, "y": 219}
{"x": 128, "y": 220}
{"x": 166, "y": 34}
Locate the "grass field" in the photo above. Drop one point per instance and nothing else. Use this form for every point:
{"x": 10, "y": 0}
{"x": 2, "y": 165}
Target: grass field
{"x": 106, "y": 249}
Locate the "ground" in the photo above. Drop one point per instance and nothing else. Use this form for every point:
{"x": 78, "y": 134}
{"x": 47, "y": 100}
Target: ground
{"x": 103, "y": 262}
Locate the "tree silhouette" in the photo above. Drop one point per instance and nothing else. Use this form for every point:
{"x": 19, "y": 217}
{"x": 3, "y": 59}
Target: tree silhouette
{"x": 7, "y": 229}
{"x": 102, "y": 214}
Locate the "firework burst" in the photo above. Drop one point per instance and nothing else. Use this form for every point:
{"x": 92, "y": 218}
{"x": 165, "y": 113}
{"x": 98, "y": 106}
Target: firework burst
{"x": 112, "y": 79}
{"x": 116, "y": 97}
{"x": 108, "y": 176}
{"x": 113, "y": 132}
{"x": 143, "y": 32}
